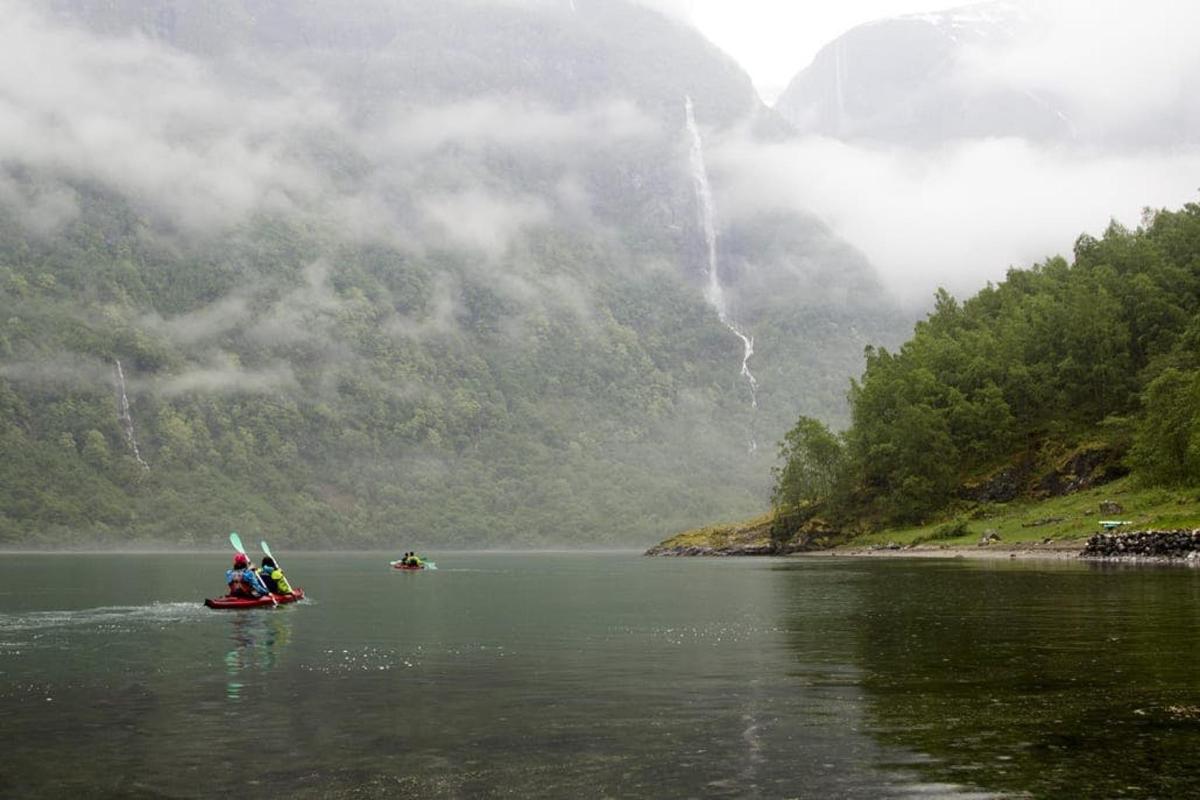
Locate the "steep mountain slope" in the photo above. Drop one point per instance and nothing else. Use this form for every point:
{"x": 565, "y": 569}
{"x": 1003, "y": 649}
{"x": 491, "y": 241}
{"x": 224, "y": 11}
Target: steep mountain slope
{"x": 412, "y": 271}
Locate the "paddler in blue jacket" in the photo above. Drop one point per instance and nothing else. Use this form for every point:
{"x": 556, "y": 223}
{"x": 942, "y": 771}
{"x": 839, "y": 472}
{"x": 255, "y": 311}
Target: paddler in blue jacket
{"x": 243, "y": 580}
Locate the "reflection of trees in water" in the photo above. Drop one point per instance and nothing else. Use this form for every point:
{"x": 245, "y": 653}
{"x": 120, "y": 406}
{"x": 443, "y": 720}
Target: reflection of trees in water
{"x": 257, "y": 640}
{"x": 1053, "y": 682}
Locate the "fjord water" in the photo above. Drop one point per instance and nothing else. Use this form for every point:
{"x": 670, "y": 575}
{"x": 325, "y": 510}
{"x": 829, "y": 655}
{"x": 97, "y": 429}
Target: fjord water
{"x": 600, "y": 675}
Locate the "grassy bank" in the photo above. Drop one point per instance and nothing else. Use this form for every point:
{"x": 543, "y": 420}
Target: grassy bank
{"x": 1020, "y": 523}
{"x": 1074, "y": 516}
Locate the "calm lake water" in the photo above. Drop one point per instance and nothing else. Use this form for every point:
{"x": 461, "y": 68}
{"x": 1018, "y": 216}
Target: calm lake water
{"x": 600, "y": 675}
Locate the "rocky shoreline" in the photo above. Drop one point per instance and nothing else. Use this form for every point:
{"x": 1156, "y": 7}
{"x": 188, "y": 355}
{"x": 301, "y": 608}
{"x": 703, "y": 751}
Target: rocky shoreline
{"x": 1155, "y": 546}
{"x": 1166, "y": 547}
{"x": 719, "y": 551}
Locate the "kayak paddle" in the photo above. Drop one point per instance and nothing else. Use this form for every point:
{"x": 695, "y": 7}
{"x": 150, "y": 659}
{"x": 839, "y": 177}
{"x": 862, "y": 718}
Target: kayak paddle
{"x": 236, "y": 541}
{"x": 267, "y": 552}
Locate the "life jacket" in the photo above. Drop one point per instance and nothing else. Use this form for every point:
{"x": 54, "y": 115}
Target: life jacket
{"x": 275, "y": 581}
{"x": 239, "y": 586}
{"x": 268, "y": 579}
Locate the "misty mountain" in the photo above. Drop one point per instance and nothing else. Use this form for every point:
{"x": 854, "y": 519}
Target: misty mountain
{"x": 993, "y": 69}
{"x": 425, "y": 272}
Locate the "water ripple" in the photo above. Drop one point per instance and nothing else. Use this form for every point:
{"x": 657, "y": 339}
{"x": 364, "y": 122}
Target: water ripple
{"x": 105, "y": 617}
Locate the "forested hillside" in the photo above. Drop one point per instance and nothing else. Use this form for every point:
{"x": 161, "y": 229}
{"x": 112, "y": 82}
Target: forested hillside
{"x": 1097, "y": 358}
{"x": 407, "y": 273}
{"x": 340, "y": 396}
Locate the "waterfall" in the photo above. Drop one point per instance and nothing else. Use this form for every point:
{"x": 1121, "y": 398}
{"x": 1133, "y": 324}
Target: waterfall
{"x": 713, "y": 292}
{"x": 839, "y": 82}
{"x": 125, "y": 417}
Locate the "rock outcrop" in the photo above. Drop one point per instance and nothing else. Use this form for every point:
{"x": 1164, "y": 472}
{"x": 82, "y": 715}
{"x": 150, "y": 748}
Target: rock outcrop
{"x": 751, "y": 538}
{"x": 667, "y": 549}
{"x": 1166, "y": 545}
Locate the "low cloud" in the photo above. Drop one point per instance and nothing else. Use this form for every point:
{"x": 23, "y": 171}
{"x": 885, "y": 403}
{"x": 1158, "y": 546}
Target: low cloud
{"x": 201, "y": 146}
{"x": 514, "y": 124}
{"x": 152, "y": 122}
{"x": 481, "y": 220}
{"x": 205, "y": 149}
{"x": 956, "y": 217}
{"x": 1117, "y": 66}
{"x": 205, "y": 323}
{"x": 304, "y": 315}
{"x": 223, "y": 377}
{"x": 62, "y": 372}
{"x": 41, "y": 208}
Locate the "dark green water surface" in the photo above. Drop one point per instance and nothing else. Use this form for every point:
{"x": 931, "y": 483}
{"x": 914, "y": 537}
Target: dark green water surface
{"x": 600, "y": 675}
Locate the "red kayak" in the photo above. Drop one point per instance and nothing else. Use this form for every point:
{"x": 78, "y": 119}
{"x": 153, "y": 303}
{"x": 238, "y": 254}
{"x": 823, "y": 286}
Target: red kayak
{"x": 402, "y": 565}
{"x": 231, "y": 601}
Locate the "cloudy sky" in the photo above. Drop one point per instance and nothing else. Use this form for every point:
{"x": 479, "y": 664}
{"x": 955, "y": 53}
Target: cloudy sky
{"x": 775, "y": 39}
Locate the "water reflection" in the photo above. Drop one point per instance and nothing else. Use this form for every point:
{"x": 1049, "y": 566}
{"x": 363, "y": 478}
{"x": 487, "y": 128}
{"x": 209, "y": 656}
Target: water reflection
{"x": 258, "y": 640}
{"x": 1050, "y": 682}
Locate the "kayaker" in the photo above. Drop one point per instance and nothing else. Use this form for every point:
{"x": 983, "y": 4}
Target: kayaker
{"x": 273, "y": 578}
{"x": 243, "y": 580}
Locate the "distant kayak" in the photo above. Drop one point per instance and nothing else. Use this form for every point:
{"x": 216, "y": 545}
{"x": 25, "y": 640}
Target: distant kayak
{"x": 231, "y": 602}
{"x": 402, "y": 565}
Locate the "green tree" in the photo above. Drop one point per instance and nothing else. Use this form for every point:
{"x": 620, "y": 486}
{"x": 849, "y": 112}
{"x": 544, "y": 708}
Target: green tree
{"x": 814, "y": 465}
{"x": 95, "y": 449}
{"x": 1167, "y": 444}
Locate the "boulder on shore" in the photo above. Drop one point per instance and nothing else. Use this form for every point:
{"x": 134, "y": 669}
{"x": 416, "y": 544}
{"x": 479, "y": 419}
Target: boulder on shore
{"x": 1176, "y": 544}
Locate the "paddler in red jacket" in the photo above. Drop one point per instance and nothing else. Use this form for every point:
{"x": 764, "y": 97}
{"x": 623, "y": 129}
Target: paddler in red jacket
{"x": 243, "y": 580}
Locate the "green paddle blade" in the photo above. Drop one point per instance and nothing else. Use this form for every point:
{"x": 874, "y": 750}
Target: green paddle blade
{"x": 236, "y": 541}
{"x": 267, "y": 552}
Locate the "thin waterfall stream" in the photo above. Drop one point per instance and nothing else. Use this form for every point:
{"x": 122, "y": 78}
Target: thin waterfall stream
{"x": 126, "y": 416}
{"x": 714, "y": 293}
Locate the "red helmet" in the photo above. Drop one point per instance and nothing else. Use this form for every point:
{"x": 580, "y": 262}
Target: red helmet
{"x": 240, "y": 560}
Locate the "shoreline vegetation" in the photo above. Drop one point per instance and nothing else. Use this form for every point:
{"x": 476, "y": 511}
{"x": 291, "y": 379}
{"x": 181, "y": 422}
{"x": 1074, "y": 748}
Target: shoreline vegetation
{"x": 1059, "y": 528}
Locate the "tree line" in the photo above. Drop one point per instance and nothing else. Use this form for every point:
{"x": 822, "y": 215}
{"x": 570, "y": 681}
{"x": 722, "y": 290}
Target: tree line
{"x": 1106, "y": 347}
